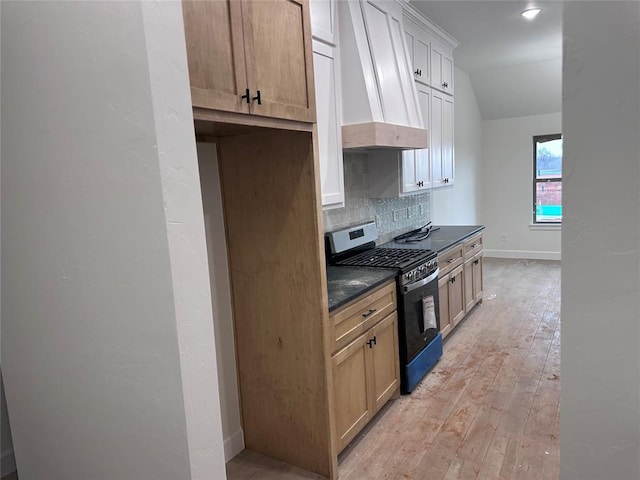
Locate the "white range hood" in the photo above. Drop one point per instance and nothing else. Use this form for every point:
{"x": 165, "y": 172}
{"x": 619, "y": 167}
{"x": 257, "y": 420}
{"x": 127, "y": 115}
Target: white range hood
{"x": 380, "y": 102}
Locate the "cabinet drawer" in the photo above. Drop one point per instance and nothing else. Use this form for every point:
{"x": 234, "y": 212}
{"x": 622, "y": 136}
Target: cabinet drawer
{"x": 472, "y": 246}
{"x": 450, "y": 259}
{"x": 357, "y": 317}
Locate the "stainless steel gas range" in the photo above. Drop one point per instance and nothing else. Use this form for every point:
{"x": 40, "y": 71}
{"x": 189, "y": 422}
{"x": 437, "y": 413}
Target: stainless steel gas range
{"x": 420, "y": 341}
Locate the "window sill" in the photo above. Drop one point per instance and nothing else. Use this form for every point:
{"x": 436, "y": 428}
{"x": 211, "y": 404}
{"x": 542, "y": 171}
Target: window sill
{"x": 545, "y": 226}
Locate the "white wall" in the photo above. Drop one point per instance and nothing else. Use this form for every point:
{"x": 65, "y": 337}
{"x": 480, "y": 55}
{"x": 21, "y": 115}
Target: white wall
{"x": 507, "y": 188}
{"x": 459, "y": 204}
{"x": 221, "y": 296}
{"x": 108, "y": 354}
{"x": 600, "y": 401}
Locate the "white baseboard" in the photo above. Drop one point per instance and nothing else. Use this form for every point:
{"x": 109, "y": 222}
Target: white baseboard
{"x": 7, "y": 462}
{"x": 233, "y": 445}
{"x": 522, "y": 254}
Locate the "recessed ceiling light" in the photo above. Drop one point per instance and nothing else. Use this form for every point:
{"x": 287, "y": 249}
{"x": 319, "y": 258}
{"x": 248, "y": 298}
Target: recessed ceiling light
{"x": 531, "y": 13}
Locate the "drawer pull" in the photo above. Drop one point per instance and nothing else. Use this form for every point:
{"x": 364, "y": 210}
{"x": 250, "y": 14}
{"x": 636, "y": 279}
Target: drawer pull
{"x": 451, "y": 260}
{"x": 370, "y": 312}
{"x": 475, "y": 245}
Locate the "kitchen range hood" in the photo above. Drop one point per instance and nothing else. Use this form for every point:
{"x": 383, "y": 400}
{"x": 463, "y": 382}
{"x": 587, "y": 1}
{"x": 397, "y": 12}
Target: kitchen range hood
{"x": 380, "y": 102}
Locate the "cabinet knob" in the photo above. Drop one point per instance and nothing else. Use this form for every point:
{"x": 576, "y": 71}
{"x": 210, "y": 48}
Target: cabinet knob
{"x": 246, "y": 96}
{"x": 257, "y": 97}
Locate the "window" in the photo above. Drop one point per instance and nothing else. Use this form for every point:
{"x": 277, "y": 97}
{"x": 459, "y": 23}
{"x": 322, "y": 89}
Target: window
{"x": 547, "y": 179}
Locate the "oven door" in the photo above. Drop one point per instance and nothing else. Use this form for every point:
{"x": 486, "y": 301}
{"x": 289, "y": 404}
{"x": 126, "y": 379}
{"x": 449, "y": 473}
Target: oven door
{"x": 419, "y": 316}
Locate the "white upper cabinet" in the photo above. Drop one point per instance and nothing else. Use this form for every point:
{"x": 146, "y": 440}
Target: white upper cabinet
{"x": 441, "y": 139}
{"x": 418, "y": 50}
{"x": 421, "y": 33}
{"x": 323, "y": 20}
{"x": 441, "y": 68}
{"x": 329, "y": 125}
{"x": 326, "y": 66}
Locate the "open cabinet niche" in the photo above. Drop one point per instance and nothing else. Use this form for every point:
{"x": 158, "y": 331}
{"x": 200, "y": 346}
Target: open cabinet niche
{"x": 271, "y": 204}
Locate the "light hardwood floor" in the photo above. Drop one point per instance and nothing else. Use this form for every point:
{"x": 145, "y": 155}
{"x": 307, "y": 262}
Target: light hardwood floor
{"x": 489, "y": 410}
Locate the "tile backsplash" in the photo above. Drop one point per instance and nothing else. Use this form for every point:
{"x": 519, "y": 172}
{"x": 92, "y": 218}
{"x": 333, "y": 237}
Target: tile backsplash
{"x": 393, "y": 216}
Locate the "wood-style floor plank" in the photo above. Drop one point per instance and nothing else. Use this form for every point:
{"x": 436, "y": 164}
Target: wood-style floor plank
{"x": 489, "y": 410}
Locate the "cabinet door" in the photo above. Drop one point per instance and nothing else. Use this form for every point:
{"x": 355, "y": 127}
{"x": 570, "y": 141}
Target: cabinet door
{"x": 469, "y": 297}
{"x": 477, "y": 278}
{"x": 279, "y": 58}
{"x": 448, "y": 158}
{"x": 385, "y": 361}
{"x": 351, "y": 386}
{"x": 456, "y": 295}
{"x": 418, "y": 50}
{"x": 329, "y": 125}
{"x": 416, "y": 164}
{"x": 436, "y": 66}
{"x": 435, "y": 138}
{"x": 391, "y": 62}
{"x": 447, "y": 74}
{"x": 215, "y": 54}
{"x": 441, "y": 139}
{"x": 441, "y": 69}
{"x": 443, "y": 299}
{"x": 423, "y": 162}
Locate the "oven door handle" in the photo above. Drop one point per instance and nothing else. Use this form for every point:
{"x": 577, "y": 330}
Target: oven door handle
{"x": 420, "y": 283}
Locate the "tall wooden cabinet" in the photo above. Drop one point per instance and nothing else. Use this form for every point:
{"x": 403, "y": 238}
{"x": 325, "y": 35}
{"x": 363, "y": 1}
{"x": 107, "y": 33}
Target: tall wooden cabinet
{"x": 251, "y": 57}
{"x": 268, "y": 180}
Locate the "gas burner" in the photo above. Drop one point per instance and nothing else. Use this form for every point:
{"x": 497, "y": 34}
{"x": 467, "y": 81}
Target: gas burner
{"x": 388, "y": 258}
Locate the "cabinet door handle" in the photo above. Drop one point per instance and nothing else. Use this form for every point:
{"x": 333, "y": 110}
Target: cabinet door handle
{"x": 370, "y": 312}
{"x": 257, "y": 97}
{"x": 476, "y": 262}
{"x": 372, "y": 342}
{"x": 246, "y": 96}
{"x": 418, "y": 72}
{"x": 445, "y": 85}
{"x": 453, "y": 280}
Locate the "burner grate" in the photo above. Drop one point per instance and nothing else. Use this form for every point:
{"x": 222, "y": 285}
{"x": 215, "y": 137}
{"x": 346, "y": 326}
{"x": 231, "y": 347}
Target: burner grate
{"x": 387, "y": 258}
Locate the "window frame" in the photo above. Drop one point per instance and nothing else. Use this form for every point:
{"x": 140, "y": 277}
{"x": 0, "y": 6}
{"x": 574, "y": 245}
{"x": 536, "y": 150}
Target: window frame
{"x": 539, "y": 139}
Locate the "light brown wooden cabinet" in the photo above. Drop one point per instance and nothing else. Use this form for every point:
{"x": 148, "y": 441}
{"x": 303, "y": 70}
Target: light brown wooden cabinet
{"x": 250, "y": 57}
{"x": 460, "y": 282}
{"x": 366, "y": 373}
{"x": 473, "y": 281}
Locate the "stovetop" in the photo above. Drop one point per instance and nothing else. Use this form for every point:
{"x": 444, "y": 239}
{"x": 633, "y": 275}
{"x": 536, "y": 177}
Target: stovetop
{"x": 398, "y": 258}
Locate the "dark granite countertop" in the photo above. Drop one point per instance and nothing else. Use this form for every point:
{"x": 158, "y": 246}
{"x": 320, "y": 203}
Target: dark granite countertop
{"x": 441, "y": 239}
{"x": 347, "y": 283}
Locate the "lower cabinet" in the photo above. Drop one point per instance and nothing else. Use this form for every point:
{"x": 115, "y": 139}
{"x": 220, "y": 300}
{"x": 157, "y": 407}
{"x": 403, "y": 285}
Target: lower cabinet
{"x": 460, "y": 282}
{"x": 366, "y": 374}
{"x": 473, "y": 281}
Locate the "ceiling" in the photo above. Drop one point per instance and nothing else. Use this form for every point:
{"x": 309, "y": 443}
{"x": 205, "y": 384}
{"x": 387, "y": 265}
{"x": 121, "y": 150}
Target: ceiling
{"x": 515, "y": 65}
